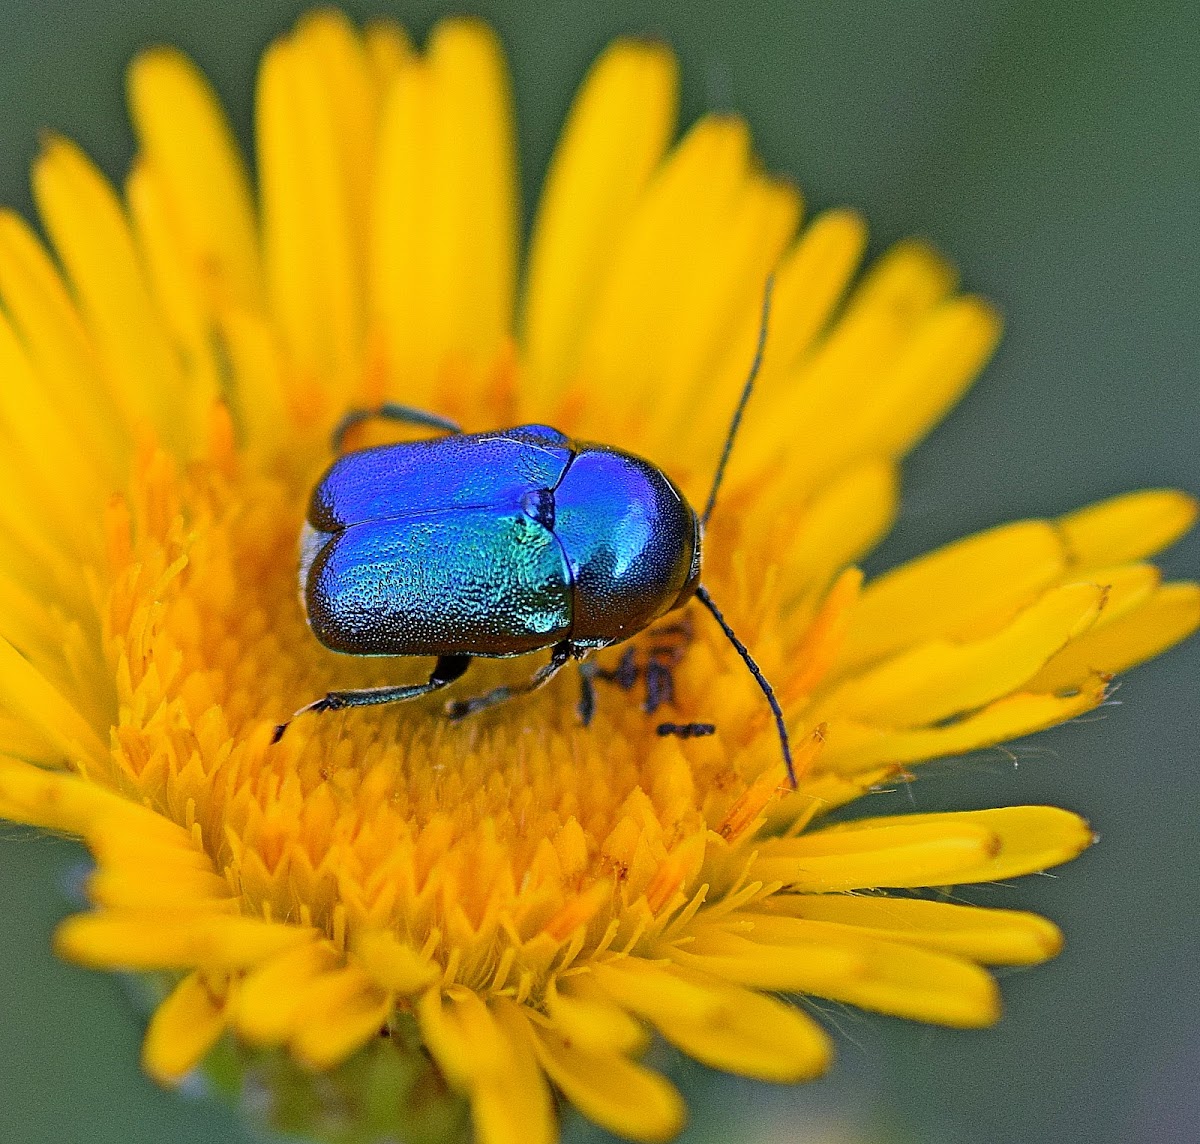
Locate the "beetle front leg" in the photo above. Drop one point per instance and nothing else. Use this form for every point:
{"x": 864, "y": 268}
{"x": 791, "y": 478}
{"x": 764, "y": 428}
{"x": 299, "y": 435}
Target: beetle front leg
{"x": 559, "y": 655}
{"x": 389, "y": 411}
{"x": 447, "y": 669}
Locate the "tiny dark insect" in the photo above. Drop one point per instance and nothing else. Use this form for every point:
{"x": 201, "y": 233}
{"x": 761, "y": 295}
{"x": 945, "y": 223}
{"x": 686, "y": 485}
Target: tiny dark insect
{"x": 687, "y": 730}
{"x": 500, "y": 544}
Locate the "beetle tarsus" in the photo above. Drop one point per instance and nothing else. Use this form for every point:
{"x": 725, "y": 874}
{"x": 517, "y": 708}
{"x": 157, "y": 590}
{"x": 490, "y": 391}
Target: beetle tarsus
{"x": 328, "y": 702}
{"x": 458, "y": 709}
{"x": 447, "y": 669}
{"x": 686, "y": 730}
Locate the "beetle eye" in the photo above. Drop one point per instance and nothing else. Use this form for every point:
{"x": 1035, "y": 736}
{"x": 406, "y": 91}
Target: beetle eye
{"x": 539, "y": 506}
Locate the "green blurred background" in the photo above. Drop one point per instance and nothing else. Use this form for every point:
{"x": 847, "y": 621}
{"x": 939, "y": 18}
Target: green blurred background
{"x": 1051, "y": 150}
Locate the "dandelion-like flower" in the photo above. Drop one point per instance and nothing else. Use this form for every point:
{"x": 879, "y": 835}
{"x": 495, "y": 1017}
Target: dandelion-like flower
{"x": 524, "y": 896}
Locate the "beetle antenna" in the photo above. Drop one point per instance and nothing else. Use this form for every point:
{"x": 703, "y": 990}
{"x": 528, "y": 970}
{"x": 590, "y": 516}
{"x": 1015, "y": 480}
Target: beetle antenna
{"x": 735, "y": 424}
{"x": 704, "y": 598}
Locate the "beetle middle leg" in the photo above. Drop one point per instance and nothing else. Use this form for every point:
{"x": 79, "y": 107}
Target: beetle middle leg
{"x": 447, "y": 669}
{"x": 653, "y": 666}
{"x": 655, "y": 669}
{"x": 559, "y": 655}
{"x": 389, "y": 411}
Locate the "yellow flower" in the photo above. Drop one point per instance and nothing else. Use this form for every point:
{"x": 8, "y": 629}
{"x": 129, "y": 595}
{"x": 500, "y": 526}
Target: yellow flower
{"x": 534, "y": 894}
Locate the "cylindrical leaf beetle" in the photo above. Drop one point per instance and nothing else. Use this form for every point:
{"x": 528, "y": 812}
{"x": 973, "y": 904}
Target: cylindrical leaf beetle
{"x": 496, "y": 545}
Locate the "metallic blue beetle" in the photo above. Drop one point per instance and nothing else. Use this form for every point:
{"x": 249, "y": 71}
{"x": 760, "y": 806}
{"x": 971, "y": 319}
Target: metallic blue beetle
{"x": 499, "y": 544}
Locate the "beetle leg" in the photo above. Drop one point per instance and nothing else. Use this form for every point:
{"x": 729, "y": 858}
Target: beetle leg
{"x": 625, "y": 674}
{"x": 686, "y": 730}
{"x": 447, "y": 669}
{"x": 389, "y": 411}
{"x": 660, "y": 686}
{"x": 461, "y": 708}
{"x": 587, "y": 692}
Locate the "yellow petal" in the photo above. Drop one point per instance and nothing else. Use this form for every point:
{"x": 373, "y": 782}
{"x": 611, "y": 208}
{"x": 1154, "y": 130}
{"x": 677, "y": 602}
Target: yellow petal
{"x": 932, "y": 373}
{"x": 183, "y": 1029}
{"x": 32, "y": 558}
{"x": 331, "y": 48}
{"x": 921, "y": 986}
{"x": 338, "y": 1014}
{"x": 854, "y": 747}
{"x": 1167, "y": 616}
{"x": 800, "y": 967}
{"x": 822, "y": 793}
{"x": 462, "y": 1036}
{"x": 443, "y": 251}
{"x": 1127, "y": 527}
{"x": 27, "y": 623}
{"x": 811, "y": 280}
{"x": 272, "y": 996}
{"x": 392, "y": 964}
{"x": 847, "y": 378}
{"x": 18, "y": 743}
{"x": 614, "y": 138}
{"x": 901, "y": 853}
{"x": 90, "y": 232}
{"x": 487, "y": 1050}
{"x": 388, "y": 49}
{"x": 821, "y": 642}
{"x": 1126, "y": 586}
{"x": 899, "y": 290}
{"x": 720, "y": 1025}
{"x": 176, "y": 284}
{"x": 55, "y": 801}
{"x": 610, "y": 1090}
{"x": 754, "y": 806}
{"x": 995, "y": 937}
{"x": 515, "y": 1107}
{"x": 661, "y": 256}
{"x": 888, "y": 976}
{"x": 58, "y": 476}
{"x": 952, "y": 591}
{"x": 140, "y": 844}
{"x": 940, "y": 679}
{"x": 710, "y": 342}
{"x": 183, "y": 131}
{"x": 846, "y": 518}
{"x": 954, "y": 848}
{"x": 313, "y": 283}
{"x": 26, "y": 692}
{"x": 186, "y": 889}
{"x": 56, "y": 341}
{"x": 589, "y": 1019}
{"x": 259, "y": 387}
{"x": 172, "y": 939}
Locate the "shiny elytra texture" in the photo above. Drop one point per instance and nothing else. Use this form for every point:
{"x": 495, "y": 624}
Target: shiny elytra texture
{"x": 493, "y": 544}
